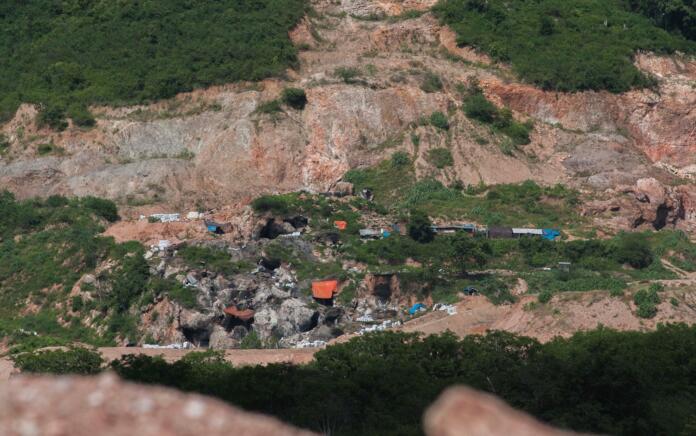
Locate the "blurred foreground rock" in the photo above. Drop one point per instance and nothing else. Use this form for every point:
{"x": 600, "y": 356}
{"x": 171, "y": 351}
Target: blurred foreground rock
{"x": 106, "y": 406}
{"x": 464, "y": 411}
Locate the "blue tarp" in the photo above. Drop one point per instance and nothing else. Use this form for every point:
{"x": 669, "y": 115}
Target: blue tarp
{"x": 416, "y": 307}
{"x": 385, "y": 234}
{"x": 550, "y": 234}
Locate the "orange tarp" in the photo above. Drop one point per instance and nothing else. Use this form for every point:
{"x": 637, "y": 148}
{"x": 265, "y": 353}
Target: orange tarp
{"x": 324, "y": 290}
{"x": 244, "y": 315}
{"x": 341, "y": 225}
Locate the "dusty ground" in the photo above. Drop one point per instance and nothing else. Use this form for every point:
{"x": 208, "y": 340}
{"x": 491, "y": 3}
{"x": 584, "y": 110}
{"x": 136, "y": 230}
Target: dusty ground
{"x": 566, "y": 314}
{"x": 235, "y": 357}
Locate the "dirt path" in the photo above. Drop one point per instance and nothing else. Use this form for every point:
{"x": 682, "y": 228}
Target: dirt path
{"x": 235, "y": 357}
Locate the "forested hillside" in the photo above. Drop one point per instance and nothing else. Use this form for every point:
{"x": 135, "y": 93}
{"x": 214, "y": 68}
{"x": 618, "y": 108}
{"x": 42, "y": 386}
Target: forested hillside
{"x": 67, "y": 54}
{"x": 572, "y": 45}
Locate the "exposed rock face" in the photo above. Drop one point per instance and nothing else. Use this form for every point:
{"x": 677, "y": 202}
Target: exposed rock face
{"x": 464, "y": 411}
{"x": 211, "y": 147}
{"x": 104, "y": 405}
{"x": 646, "y": 205}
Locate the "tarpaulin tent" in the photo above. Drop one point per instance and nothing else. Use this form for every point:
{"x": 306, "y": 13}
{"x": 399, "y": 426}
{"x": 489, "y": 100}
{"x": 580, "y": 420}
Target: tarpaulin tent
{"x": 416, "y": 308}
{"x": 244, "y": 315}
{"x": 341, "y": 225}
{"x": 324, "y": 290}
{"x": 550, "y": 234}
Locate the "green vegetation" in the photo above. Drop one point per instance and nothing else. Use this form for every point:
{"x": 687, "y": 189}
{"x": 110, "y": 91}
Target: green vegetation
{"x": 440, "y": 157}
{"x": 477, "y": 107}
{"x": 73, "y": 361}
{"x": 420, "y": 227}
{"x": 572, "y": 45}
{"x": 66, "y": 55}
{"x": 439, "y": 120}
{"x": 601, "y": 381}
{"x": 296, "y": 98}
{"x": 219, "y": 261}
{"x": 269, "y": 107}
{"x": 387, "y": 180}
{"x": 431, "y": 82}
{"x": 251, "y": 341}
{"x": 45, "y": 247}
{"x": 347, "y": 74}
{"x": 676, "y": 16}
{"x": 646, "y": 301}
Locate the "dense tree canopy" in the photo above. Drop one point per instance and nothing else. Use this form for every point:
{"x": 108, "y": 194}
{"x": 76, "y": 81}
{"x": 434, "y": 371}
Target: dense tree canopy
{"x": 65, "y": 54}
{"x": 572, "y": 45}
{"x": 603, "y": 381}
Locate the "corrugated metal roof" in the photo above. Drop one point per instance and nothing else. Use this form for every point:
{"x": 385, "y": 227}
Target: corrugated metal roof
{"x": 523, "y": 231}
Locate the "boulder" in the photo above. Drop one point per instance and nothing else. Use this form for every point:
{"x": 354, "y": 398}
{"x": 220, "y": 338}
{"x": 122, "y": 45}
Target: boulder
{"x": 295, "y": 316}
{"x": 221, "y": 340}
{"x": 108, "y": 406}
{"x": 265, "y": 321}
{"x": 464, "y": 411}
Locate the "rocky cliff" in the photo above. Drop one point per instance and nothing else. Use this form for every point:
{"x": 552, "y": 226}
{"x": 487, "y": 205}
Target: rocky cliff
{"x": 364, "y": 75}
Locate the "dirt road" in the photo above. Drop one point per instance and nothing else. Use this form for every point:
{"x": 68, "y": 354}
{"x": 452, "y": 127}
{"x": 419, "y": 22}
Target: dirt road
{"x": 235, "y": 357}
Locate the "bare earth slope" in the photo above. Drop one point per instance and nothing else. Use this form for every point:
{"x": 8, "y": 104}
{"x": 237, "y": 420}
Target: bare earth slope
{"x": 210, "y": 147}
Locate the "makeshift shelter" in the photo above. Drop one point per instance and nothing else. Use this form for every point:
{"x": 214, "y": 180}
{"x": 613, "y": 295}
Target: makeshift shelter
{"x": 518, "y": 232}
{"x": 324, "y": 291}
{"x": 550, "y": 234}
{"x": 242, "y": 315}
{"x": 341, "y": 225}
{"x": 416, "y": 308}
{"x": 370, "y": 234}
{"x": 500, "y": 232}
{"x": 214, "y": 227}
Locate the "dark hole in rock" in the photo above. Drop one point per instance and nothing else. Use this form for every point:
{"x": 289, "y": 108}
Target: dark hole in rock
{"x": 200, "y": 337}
{"x": 313, "y": 322}
{"x": 298, "y": 222}
{"x": 383, "y": 287}
{"x": 272, "y": 230}
{"x": 661, "y": 217}
{"x": 332, "y": 315}
{"x": 270, "y": 263}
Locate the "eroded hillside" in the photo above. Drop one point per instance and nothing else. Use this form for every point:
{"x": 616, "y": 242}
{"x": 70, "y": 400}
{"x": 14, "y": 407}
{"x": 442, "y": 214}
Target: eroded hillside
{"x": 372, "y": 73}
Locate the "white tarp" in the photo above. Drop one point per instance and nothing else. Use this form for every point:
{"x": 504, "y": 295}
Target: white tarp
{"x": 527, "y": 231}
{"x": 166, "y": 217}
{"x": 176, "y": 346}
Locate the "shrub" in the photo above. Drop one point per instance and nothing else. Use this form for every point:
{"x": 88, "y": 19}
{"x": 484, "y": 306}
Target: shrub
{"x": 478, "y": 107}
{"x": 296, "y": 98}
{"x": 420, "y": 227}
{"x": 81, "y": 116}
{"x": 646, "y": 301}
{"x": 74, "y": 361}
{"x": 269, "y": 107}
{"x": 4, "y": 142}
{"x": 440, "y": 157}
{"x": 545, "y": 296}
{"x": 633, "y": 249}
{"x": 347, "y": 74}
{"x": 101, "y": 207}
{"x": 400, "y": 159}
{"x": 270, "y": 203}
{"x": 76, "y": 303}
{"x": 251, "y": 341}
{"x": 439, "y": 120}
{"x": 431, "y": 82}
{"x": 52, "y": 116}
